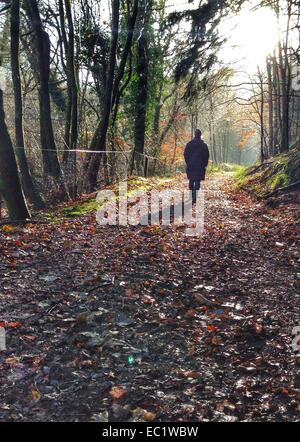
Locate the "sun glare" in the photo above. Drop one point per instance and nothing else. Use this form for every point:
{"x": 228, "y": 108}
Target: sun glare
{"x": 256, "y": 34}
{"x": 253, "y": 36}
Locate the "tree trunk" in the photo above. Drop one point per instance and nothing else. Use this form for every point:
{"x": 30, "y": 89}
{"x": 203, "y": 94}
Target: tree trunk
{"x": 99, "y": 140}
{"x": 42, "y": 42}
{"x": 285, "y": 99}
{"x": 71, "y": 129}
{"x": 172, "y": 119}
{"x": 130, "y": 29}
{"x": 157, "y": 112}
{"x": 55, "y": 91}
{"x": 277, "y": 104}
{"x": 71, "y": 126}
{"x": 10, "y": 186}
{"x": 211, "y": 125}
{"x": 141, "y": 99}
{"x": 261, "y": 117}
{"x": 27, "y": 182}
{"x": 270, "y": 102}
{"x": 118, "y": 87}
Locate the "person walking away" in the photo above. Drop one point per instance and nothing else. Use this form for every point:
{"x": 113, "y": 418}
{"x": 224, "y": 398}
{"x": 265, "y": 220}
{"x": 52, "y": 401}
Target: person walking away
{"x": 196, "y": 156}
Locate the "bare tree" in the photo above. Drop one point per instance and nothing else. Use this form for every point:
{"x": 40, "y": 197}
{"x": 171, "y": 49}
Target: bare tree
{"x": 42, "y": 44}
{"x": 10, "y": 185}
{"x": 27, "y": 181}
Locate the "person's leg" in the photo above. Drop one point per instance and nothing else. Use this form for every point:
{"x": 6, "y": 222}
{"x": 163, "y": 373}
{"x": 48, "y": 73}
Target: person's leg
{"x": 191, "y": 187}
{"x": 194, "y": 194}
{"x": 191, "y": 192}
{"x": 197, "y": 185}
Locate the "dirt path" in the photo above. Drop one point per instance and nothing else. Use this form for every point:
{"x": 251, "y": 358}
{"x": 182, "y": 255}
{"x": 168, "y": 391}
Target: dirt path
{"x": 149, "y": 324}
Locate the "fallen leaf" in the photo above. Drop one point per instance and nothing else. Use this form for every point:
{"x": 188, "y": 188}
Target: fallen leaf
{"x": 212, "y": 328}
{"x": 7, "y": 228}
{"x": 191, "y": 374}
{"x": 35, "y": 394}
{"x": 14, "y": 324}
{"x": 118, "y": 392}
{"x": 149, "y": 417}
{"x": 216, "y": 340}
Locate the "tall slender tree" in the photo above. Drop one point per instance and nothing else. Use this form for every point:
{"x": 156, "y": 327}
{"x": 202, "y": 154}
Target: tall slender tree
{"x": 42, "y": 44}
{"x": 27, "y": 181}
{"x": 142, "y": 72}
{"x": 270, "y": 106}
{"x": 68, "y": 37}
{"x": 117, "y": 88}
{"x": 10, "y": 186}
{"x": 99, "y": 141}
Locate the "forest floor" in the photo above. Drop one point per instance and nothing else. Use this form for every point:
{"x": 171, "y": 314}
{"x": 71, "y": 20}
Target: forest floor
{"x": 149, "y": 324}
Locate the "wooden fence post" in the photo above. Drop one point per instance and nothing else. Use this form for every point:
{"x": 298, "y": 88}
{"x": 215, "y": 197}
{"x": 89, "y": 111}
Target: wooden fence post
{"x": 146, "y": 167}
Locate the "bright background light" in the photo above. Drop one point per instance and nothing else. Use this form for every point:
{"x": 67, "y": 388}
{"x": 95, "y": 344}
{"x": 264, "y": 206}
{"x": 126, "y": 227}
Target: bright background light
{"x": 252, "y": 35}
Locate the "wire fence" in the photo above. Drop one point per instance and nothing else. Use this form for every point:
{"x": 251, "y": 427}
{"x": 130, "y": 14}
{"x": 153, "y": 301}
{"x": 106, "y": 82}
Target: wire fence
{"x": 116, "y": 166}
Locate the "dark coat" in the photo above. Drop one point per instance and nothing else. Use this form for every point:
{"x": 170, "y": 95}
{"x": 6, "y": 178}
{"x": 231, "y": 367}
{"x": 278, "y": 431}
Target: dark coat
{"x": 196, "y": 156}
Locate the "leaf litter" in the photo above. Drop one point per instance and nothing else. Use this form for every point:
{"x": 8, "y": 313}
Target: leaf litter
{"x": 147, "y": 324}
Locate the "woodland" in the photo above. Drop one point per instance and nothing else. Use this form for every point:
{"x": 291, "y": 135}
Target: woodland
{"x": 144, "y": 323}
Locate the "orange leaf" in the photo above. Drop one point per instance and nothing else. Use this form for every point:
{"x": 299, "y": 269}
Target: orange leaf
{"x": 12, "y": 362}
{"x": 149, "y": 417}
{"x": 212, "y": 328}
{"x": 118, "y": 392}
{"x": 258, "y": 328}
{"x": 7, "y": 228}
{"x": 14, "y": 324}
{"x": 36, "y": 395}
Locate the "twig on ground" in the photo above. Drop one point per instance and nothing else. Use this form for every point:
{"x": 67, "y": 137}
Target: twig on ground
{"x": 283, "y": 189}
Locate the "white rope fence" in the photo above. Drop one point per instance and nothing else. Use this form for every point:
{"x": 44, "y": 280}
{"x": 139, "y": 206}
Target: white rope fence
{"x": 81, "y": 150}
